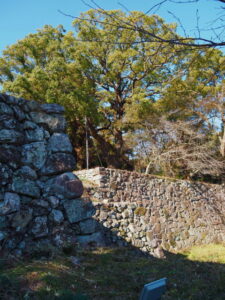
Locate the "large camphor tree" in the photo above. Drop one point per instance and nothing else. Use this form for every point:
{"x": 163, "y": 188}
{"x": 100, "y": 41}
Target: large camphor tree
{"x": 97, "y": 81}
{"x": 111, "y": 79}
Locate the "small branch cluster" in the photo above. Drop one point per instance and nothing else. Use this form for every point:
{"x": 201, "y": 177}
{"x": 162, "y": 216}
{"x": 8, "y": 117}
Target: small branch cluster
{"x": 181, "y": 147}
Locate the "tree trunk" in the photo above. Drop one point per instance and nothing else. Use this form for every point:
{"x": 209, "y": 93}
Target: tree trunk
{"x": 108, "y": 151}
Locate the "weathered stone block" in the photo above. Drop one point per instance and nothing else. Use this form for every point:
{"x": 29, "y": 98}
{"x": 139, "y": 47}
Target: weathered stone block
{"x": 3, "y": 222}
{"x": 9, "y": 99}
{"x": 2, "y": 236}
{"x": 88, "y": 226}
{"x": 5, "y": 109}
{"x": 19, "y": 114}
{"x": 55, "y": 123}
{"x": 27, "y": 172}
{"x": 35, "y": 135}
{"x": 8, "y": 122}
{"x": 68, "y": 185}
{"x": 29, "y": 125}
{"x": 34, "y": 154}
{"x": 96, "y": 239}
{"x": 59, "y": 142}
{"x": 56, "y": 216}
{"x": 9, "y": 153}
{"x": 5, "y": 174}
{"x": 11, "y": 203}
{"x": 21, "y": 219}
{"x": 32, "y": 105}
{"x": 25, "y": 186}
{"x": 58, "y": 163}
{"x": 54, "y": 201}
{"x": 40, "y": 211}
{"x": 52, "y": 108}
{"x": 78, "y": 210}
{"x": 11, "y": 136}
{"x": 41, "y": 203}
{"x": 25, "y": 200}
{"x": 40, "y": 228}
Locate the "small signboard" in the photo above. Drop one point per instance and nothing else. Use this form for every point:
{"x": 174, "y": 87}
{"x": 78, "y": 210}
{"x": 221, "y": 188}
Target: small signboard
{"x": 153, "y": 290}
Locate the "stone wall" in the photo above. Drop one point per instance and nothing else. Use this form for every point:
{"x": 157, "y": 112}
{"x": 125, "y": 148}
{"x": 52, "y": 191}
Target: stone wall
{"x": 151, "y": 212}
{"x": 40, "y": 200}
{"x": 40, "y": 196}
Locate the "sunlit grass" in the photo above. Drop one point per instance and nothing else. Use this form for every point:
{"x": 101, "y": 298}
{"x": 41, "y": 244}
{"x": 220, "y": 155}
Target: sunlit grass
{"x": 207, "y": 253}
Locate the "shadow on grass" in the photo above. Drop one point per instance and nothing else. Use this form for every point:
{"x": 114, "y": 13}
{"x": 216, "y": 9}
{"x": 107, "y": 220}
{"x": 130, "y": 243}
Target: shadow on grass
{"x": 116, "y": 273}
{"x": 109, "y": 273}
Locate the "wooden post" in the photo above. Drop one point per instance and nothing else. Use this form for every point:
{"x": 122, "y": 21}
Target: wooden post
{"x": 87, "y": 146}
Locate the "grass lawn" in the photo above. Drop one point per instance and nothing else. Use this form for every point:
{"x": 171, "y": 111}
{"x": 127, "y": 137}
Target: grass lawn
{"x": 114, "y": 273}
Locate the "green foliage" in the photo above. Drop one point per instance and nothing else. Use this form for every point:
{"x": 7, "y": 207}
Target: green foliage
{"x": 115, "y": 78}
{"x": 127, "y": 72}
{"x": 41, "y": 67}
{"x": 193, "y": 91}
{"x": 111, "y": 82}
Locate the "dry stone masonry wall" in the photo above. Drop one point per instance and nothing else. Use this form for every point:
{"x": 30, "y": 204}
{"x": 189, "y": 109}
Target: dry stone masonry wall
{"x": 40, "y": 196}
{"x": 153, "y": 213}
{"x": 40, "y": 199}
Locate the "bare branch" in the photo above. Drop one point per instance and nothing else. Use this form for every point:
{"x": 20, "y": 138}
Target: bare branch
{"x": 179, "y": 22}
{"x": 197, "y": 42}
{"x": 179, "y": 147}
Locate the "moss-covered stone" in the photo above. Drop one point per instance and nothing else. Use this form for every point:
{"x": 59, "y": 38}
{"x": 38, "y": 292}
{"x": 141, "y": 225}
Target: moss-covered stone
{"x": 140, "y": 211}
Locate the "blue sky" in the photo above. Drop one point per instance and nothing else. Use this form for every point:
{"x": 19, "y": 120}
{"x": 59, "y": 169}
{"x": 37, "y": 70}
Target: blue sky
{"x": 21, "y": 17}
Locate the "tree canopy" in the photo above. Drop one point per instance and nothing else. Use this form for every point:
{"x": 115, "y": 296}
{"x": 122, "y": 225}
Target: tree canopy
{"x": 111, "y": 80}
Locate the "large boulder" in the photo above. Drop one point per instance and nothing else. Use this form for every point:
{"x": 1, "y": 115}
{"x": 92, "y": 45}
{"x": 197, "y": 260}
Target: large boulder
{"x": 68, "y": 185}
